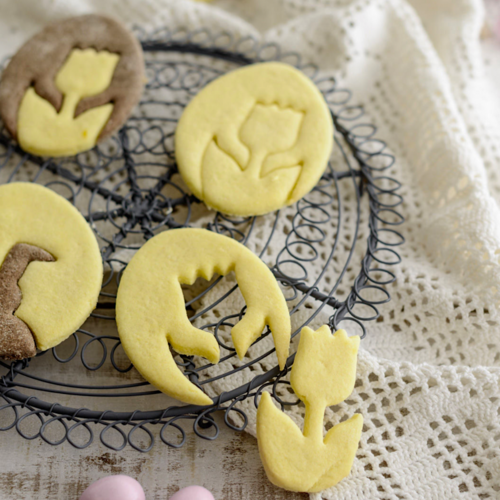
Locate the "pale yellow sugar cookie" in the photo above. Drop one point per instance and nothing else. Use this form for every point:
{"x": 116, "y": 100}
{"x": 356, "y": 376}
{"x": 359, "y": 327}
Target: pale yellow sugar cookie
{"x": 323, "y": 374}
{"x": 150, "y": 308}
{"x": 57, "y": 297}
{"x": 254, "y": 140}
{"x": 43, "y": 131}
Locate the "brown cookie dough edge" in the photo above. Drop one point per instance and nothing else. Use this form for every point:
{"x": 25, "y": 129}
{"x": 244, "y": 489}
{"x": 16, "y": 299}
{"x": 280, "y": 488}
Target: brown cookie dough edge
{"x": 37, "y": 62}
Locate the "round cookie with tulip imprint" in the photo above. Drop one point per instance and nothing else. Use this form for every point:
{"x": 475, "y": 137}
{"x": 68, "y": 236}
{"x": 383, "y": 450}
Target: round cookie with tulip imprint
{"x": 50, "y": 269}
{"x": 151, "y": 313}
{"x": 254, "y": 140}
{"x": 71, "y": 85}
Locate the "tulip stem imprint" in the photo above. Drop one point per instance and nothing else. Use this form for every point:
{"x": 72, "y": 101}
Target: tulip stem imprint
{"x": 16, "y": 339}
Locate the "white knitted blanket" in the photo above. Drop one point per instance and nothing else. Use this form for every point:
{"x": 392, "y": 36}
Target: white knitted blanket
{"x": 429, "y": 369}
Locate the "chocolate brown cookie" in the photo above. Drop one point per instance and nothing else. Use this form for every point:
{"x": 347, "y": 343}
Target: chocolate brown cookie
{"x": 38, "y": 61}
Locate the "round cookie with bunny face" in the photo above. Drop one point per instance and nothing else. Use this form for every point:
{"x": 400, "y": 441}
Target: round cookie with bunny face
{"x": 254, "y": 140}
{"x": 71, "y": 85}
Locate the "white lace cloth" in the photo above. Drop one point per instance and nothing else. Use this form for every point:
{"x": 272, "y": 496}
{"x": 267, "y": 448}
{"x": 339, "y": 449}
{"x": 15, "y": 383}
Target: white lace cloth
{"x": 429, "y": 369}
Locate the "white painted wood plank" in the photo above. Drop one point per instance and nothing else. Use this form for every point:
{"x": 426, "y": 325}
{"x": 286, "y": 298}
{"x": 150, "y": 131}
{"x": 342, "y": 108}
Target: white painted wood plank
{"x": 230, "y": 467}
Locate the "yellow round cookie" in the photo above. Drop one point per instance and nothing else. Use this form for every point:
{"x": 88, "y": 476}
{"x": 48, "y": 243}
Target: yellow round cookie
{"x": 57, "y": 297}
{"x": 151, "y": 313}
{"x": 254, "y": 140}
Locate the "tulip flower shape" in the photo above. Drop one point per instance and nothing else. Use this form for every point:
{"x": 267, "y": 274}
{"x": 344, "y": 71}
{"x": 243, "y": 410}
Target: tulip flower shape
{"x": 323, "y": 374}
{"x": 267, "y": 131}
{"x": 44, "y": 131}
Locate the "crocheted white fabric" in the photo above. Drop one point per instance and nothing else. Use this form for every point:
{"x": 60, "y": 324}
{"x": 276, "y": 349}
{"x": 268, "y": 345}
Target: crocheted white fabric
{"x": 429, "y": 369}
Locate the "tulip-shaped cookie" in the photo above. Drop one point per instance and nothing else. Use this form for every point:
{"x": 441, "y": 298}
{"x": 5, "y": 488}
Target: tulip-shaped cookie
{"x": 151, "y": 314}
{"x": 44, "y": 131}
{"x": 50, "y": 269}
{"x": 323, "y": 374}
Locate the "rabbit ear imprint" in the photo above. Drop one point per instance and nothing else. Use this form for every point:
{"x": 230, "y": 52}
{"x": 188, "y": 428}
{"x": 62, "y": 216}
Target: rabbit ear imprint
{"x": 254, "y": 140}
{"x": 151, "y": 314}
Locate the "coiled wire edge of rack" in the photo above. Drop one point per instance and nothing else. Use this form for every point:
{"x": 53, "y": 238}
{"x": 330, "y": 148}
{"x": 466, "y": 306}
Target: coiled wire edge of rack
{"x": 372, "y": 162}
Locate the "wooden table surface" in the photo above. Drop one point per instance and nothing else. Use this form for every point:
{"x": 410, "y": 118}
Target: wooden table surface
{"x": 230, "y": 467}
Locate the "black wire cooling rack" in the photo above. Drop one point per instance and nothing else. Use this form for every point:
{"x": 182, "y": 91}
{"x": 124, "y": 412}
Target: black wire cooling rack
{"x": 129, "y": 190}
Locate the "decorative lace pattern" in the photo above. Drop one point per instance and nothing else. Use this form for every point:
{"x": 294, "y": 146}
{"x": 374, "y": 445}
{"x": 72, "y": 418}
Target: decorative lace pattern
{"x": 429, "y": 370}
